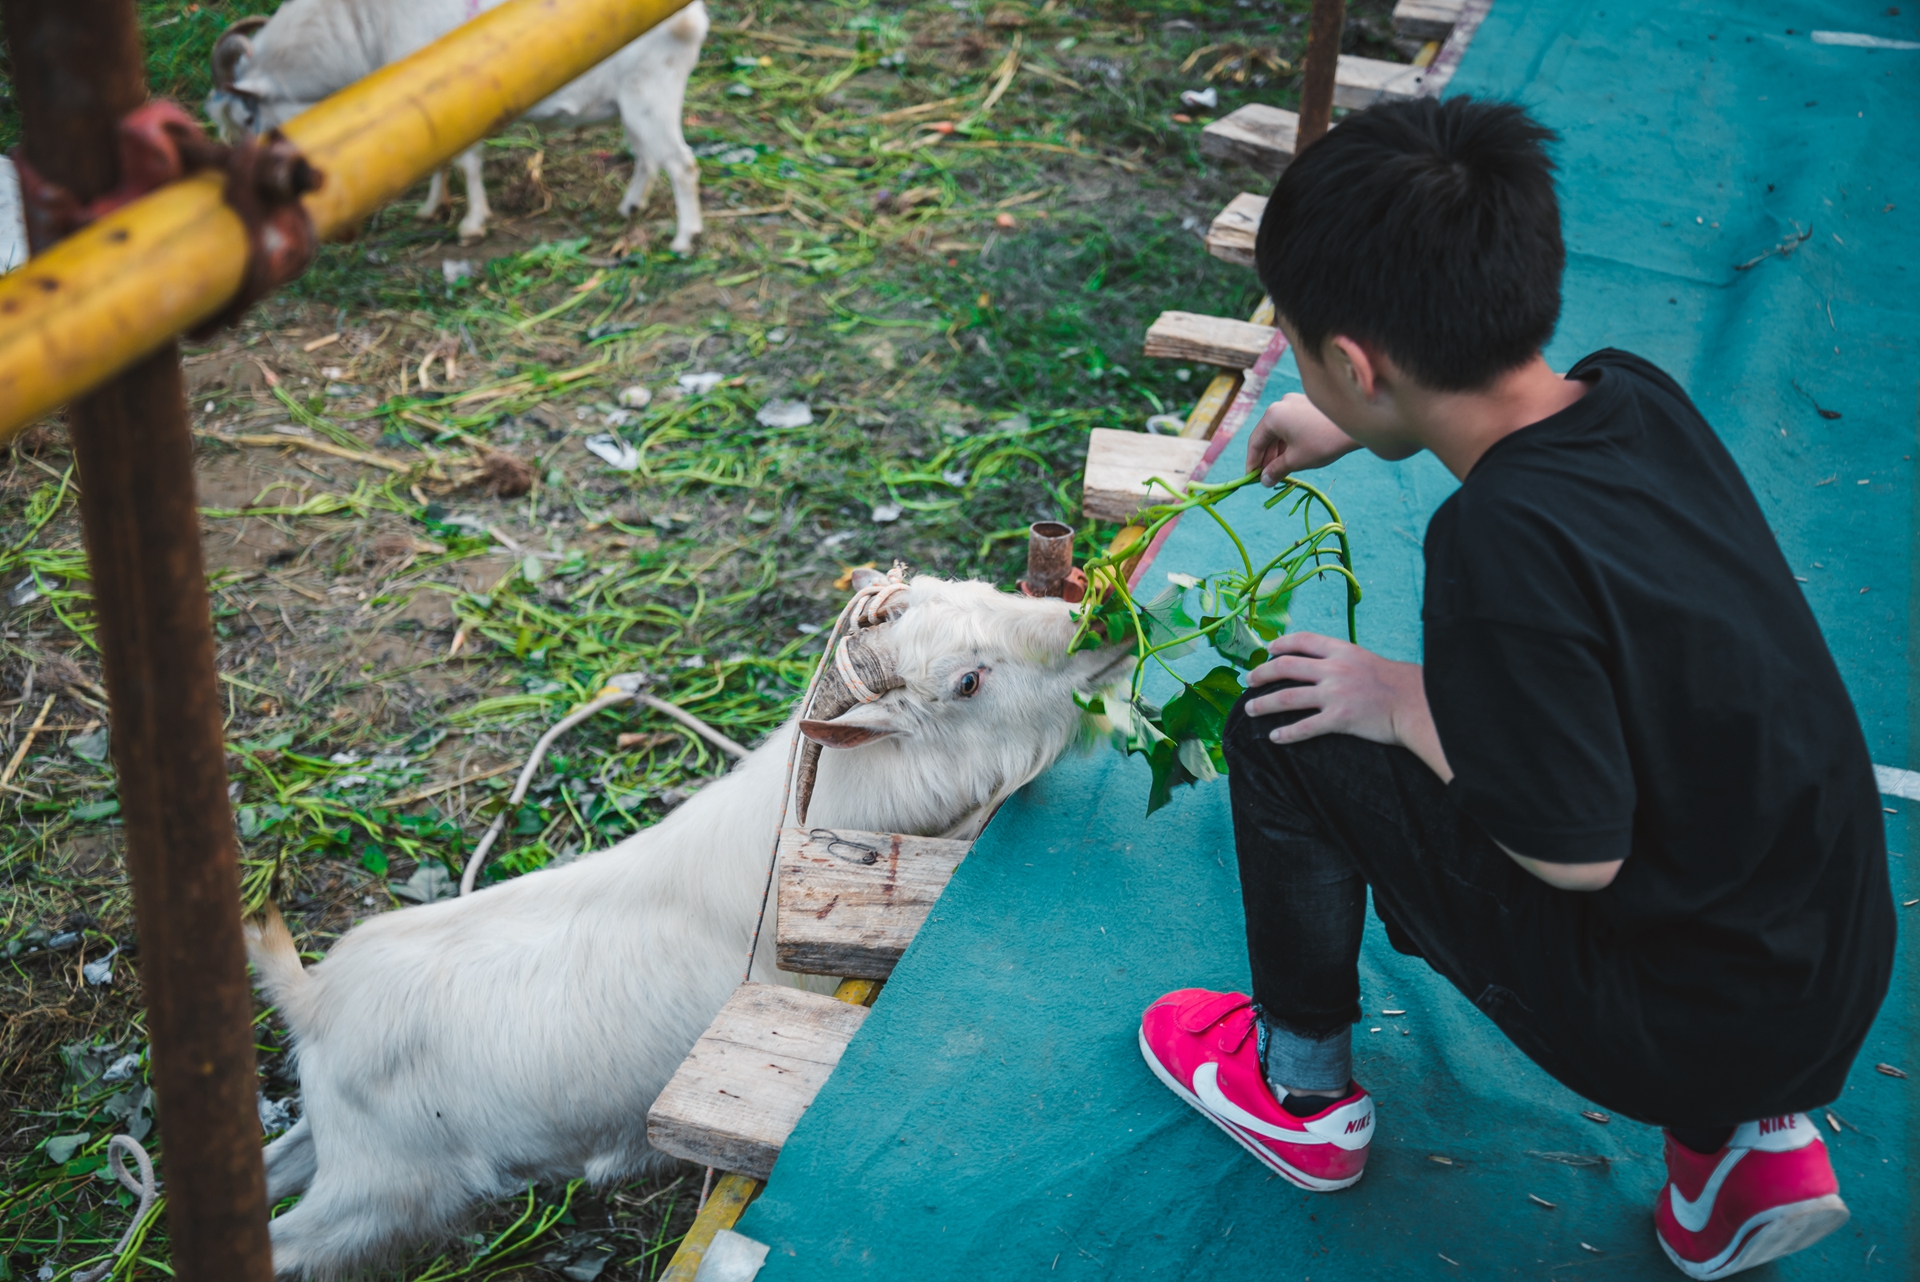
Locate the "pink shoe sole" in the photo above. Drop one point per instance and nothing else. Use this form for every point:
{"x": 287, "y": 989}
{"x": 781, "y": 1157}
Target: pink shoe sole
{"x": 1266, "y": 1155}
{"x": 1777, "y": 1231}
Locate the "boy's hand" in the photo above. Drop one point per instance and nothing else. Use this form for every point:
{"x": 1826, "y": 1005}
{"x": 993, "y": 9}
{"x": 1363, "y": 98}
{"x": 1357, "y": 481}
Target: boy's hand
{"x": 1293, "y": 436}
{"x": 1355, "y": 691}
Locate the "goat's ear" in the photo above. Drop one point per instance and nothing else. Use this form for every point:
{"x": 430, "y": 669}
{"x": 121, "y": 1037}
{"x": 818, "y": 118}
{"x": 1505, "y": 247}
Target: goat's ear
{"x": 862, "y": 576}
{"x": 857, "y": 726}
{"x": 838, "y": 734}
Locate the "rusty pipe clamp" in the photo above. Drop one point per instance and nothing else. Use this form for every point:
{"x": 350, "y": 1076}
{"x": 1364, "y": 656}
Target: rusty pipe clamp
{"x": 159, "y": 144}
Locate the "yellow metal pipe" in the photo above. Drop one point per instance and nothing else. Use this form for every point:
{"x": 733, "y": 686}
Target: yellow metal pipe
{"x": 106, "y": 296}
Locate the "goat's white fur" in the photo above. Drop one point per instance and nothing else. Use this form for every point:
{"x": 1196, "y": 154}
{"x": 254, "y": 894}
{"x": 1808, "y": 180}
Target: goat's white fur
{"x": 313, "y": 48}
{"x": 452, "y": 1052}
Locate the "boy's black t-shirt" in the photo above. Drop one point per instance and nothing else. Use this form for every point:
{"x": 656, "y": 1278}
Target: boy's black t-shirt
{"x": 1621, "y": 666}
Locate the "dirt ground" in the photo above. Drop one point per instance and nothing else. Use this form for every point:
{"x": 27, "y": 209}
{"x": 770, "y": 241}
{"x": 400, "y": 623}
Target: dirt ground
{"x": 419, "y": 561}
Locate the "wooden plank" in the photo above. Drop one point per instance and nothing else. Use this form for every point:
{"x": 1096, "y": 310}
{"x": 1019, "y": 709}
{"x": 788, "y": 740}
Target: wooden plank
{"x": 1209, "y": 340}
{"x": 1120, "y": 464}
{"x": 1212, "y": 406}
{"x": 1425, "y": 19}
{"x": 753, "y": 1073}
{"x": 851, "y": 902}
{"x": 1231, "y": 236}
{"x": 1361, "y": 82}
{"x": 1257, "y": 135}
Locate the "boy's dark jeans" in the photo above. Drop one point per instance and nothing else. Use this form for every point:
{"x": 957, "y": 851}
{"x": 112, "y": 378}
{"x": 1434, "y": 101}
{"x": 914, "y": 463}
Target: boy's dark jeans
{"x": 1316, "y": 823}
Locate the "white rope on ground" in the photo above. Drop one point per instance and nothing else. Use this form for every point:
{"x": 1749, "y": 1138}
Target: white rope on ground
{"x": 143, "y": 1188}
{"x": 624, "y": 688}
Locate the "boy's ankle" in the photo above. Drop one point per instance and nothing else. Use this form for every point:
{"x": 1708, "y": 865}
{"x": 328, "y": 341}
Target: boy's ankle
{"x": 1306, "y": 1068}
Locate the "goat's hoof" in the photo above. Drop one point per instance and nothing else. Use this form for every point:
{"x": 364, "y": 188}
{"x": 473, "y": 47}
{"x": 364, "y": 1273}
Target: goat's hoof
{"x": 428, "y": 213}
{"x": 472, "y": 235}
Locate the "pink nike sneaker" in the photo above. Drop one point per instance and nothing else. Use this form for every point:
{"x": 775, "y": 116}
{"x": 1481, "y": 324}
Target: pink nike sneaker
{"x": 1203, "y": 1046}
{"x": 1768, "y": 1193}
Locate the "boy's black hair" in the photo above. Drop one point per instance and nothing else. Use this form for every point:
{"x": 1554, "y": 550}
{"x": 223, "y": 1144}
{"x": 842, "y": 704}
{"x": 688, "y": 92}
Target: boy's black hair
{"x": 1428, "y": 229}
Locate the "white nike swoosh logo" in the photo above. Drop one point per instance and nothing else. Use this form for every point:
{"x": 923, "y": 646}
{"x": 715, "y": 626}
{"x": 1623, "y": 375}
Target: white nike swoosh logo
{"x": 1693, "y": 1216}
{"x": 1206, "y": 1086}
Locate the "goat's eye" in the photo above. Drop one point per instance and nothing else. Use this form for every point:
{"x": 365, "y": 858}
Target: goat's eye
{"x": 969, "y": 684}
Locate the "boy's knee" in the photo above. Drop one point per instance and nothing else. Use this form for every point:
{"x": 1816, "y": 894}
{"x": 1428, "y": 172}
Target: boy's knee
{"x": 1247, "y": 734}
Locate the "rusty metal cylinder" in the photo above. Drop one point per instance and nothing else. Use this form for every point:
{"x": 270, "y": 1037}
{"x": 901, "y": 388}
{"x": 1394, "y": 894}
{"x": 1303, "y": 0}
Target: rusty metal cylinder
{"x": 1317, "y": 76}
{"x": 1049, "y": 558}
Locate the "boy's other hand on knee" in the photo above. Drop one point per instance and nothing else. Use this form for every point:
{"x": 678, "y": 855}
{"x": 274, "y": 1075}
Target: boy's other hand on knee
{"x": 1352, "y": 690}
{"x": 1294, "y": 436}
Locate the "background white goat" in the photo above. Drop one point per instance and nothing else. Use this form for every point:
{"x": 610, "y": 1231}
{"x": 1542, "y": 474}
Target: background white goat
{"x": 268, "y": 70}
{"x": 453, "y": 1052}
{"x": 13, "y": 219}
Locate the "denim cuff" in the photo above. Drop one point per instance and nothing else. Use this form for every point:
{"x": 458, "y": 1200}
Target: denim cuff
{"x": 1307, "y": 1064}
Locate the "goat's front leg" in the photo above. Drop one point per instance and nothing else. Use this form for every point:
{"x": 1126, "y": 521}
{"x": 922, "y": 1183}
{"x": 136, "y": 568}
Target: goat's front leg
{"x": 474, "y": 225}
{"x": 436, "y": 197}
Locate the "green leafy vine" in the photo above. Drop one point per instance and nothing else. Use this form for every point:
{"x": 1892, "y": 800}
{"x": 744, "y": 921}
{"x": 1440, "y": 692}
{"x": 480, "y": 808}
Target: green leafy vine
{"x": 1236, "y": 611}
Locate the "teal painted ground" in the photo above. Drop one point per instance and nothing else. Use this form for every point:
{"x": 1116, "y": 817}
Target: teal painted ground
{"x": 993, "y": 1119}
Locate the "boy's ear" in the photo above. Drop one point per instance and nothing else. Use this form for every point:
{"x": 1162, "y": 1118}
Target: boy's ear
{"x": 1351, "y": 361}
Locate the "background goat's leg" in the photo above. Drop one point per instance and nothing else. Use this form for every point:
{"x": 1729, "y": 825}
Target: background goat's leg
{"x": 436, "y": 197}
{"x": 474, "y": 225}
{"x": 653, "y": 132}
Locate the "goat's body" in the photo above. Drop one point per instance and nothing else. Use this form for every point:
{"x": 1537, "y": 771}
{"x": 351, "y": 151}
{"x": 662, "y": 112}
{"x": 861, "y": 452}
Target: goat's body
{"x": 452, "y": 1052}
{"x": 313, "y": 48}
{"x": 543, "y": 1014}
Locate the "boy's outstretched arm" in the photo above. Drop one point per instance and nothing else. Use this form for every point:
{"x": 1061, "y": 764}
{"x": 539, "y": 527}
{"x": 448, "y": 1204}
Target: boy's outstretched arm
{"x": 1355, "y": 691}
{"x": 1293, "y": 436}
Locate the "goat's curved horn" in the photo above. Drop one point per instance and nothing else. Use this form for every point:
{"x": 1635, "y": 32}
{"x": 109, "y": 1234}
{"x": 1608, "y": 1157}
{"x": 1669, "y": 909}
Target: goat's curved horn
{"x": 231, "y": 46}
{"x": 872, "y": 661}
{"x": 871, "y": 658}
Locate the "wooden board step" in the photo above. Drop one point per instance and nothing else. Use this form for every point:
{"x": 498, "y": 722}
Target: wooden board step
{"x": 1234, "y": 229}
{"x": 1426, "y": 19}
{"x": 1120, "y": 464}
{"x": 1256, "y": 135}
{"x": 736, "y": 1098}
{"x": 1208, "y": 340}
{"x": 851, "y": 902}
{"x": 1361, "y": 82}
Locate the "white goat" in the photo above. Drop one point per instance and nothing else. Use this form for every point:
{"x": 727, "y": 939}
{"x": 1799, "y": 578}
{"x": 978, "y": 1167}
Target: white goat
{"x": 453, "y": 1052}
{"x": 268, "y": 70}
{"x": 13, "y": 219}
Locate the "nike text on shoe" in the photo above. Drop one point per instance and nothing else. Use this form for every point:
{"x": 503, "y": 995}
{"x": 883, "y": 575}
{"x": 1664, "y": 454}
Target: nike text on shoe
{"x": 1768, "y": 1193}
{"x": 1203, "y": 1046}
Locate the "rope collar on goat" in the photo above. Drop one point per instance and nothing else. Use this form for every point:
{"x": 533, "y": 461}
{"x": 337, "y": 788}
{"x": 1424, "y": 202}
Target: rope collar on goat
{"x": 868, "y": 607}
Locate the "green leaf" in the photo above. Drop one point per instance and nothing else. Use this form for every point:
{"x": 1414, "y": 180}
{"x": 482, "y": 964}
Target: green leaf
{"x": 61, "y": 1148}
{"x": 374, "y": 860}
{"x": 1167, "y": 774}
{"x": 1197, "y": 760}
{"x": 1221, "y": 688}
{"x": 93, "y": 746}
{"x": 1234, "y": 642}
{"x": 96, "y": 809}
{"x": 1191, "y": 715}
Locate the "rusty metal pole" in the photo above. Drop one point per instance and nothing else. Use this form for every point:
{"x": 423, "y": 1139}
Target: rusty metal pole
{"x": 1322, "y": 65}
{"x": 78, "y": 69}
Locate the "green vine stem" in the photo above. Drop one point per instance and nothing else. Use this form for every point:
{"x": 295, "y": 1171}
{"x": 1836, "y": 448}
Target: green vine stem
{"x": 1236, "y": 612}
